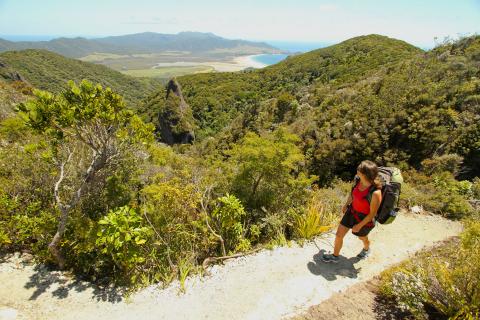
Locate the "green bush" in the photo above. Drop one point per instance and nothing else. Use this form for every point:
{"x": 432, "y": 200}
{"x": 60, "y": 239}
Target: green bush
{"x": 283, "y": 105}
{"x": 172, "y": 207}
{"x": 440, "y": 194}
{"x": 122, "y": 234}
{"x": 27, "y": 214}
{"x": 229, "y": 215}
{"x": 25, "y": 225}
{"x": 439, "y": 164}
{"x": 268, "y": 172}
{"x": 476, "y": 188}
{"x": 445, "y": 279}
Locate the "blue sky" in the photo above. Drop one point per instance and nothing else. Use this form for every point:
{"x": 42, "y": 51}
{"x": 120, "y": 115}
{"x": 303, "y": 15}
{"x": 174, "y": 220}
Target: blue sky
{"x": 417, "y": 22}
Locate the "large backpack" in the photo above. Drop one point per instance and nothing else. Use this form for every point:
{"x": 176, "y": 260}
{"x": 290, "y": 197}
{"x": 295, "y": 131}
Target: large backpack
{"x": 392, "y": 180}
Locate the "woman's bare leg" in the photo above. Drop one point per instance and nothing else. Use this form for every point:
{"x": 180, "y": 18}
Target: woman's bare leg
{"x": 366, "y": 242}
{"x": 341, "y": 232}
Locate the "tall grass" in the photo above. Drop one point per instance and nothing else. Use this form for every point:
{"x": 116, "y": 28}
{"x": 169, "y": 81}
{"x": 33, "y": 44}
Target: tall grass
{"x": 321, "y": 213}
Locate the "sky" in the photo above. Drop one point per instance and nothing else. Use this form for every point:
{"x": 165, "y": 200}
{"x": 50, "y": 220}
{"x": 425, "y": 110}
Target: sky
{"x": 418, "y": 22}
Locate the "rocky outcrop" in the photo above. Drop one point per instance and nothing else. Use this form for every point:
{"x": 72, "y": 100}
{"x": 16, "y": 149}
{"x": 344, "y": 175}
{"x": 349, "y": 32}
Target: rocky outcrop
{"x": 175, "y": 117}
{"x": 9, "y": 74}
{"x": 173, "y": 87}
{"x": 15, "y": 76}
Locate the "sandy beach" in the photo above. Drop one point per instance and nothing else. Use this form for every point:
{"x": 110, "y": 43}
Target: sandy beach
{"x": 237, "y": 64}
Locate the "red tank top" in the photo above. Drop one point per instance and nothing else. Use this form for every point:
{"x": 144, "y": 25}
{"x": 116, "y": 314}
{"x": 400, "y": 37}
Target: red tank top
{"x": 360, "y": 202}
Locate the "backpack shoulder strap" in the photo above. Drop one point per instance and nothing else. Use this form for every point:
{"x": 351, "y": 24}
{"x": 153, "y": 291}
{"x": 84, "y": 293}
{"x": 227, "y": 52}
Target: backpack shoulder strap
{"x": 355, "y": 182}
{"x": 369, "y": 195}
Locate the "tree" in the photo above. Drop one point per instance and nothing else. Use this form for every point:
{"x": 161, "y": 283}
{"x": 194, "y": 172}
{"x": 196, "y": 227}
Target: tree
{"x": 269, "y": 171}
{"x": 90, "y": 127}
{"x": 283, "y": 105}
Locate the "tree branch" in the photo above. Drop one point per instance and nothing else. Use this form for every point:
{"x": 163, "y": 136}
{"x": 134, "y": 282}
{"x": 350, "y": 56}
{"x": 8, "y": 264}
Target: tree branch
{"x": 210, "y": 260}
{"x": 56, "y": 190}
{"x": 204, "y": 209}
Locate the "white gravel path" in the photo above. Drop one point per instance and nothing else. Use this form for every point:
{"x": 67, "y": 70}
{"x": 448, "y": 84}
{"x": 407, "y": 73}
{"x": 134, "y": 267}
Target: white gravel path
{"x": 267, "y": 285}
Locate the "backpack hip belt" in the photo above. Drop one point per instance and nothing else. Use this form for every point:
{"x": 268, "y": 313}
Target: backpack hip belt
{"x": 356, "y": 216}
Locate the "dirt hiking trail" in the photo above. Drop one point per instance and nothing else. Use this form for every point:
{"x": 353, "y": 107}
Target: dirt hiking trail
{"x": 271, "y": 284}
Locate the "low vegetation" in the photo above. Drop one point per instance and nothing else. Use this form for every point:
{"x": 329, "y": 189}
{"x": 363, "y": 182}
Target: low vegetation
{"x": 442, "y": 283}
{"x": 167, "y": 72}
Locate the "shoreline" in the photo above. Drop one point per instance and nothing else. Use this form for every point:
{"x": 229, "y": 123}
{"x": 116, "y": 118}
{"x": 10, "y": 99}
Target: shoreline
{"x": 236, "y": 64}
{"x": 249, "y": 61}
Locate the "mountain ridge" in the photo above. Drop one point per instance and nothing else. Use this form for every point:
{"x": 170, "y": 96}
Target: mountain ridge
{"x": 145, "y": 42}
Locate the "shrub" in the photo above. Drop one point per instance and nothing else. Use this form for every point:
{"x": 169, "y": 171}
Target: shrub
{"x": 228, "y": 216}
{"x": 410, "y": 291}
{"x": 171, "y": 206}
{"x": 283, "y": 105}
{"x": 440, "y": 194}
{"x": 453, "y": 195}
{"x": 184, "y": 269}
{"x": 411, "y": 196}
{"x": 275, "y": 226}
{"x": 446, "y": 280}
{"x": 121, "y": 236}
{"x": 22, "y": 87}
{"x": 476, "y": 188}
{"x": 268, "y": 172}
{"x": 438, "y": 164}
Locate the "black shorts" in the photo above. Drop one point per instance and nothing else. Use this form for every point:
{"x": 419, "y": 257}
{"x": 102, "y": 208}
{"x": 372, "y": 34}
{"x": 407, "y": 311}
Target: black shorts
{"x": 349, "y": 221}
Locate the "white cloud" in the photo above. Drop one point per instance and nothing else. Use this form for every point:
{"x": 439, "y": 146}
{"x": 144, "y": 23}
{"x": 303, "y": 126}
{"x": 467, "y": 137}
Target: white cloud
{"x": 328, "y": 7}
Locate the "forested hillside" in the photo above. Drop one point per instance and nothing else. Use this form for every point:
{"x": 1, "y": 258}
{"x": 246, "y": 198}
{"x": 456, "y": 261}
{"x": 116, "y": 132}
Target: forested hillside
{"x": 216, "y": 99}
{"x": 368, "y": 97}
{"x": 50, "y": 71}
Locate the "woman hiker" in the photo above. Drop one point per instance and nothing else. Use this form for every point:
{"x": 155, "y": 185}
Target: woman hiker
{"x": 359, "y": 212}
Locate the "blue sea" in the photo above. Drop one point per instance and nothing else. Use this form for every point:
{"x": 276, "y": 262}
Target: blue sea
{"x": 269, "y": 59}
{"x": 291, "y": 47}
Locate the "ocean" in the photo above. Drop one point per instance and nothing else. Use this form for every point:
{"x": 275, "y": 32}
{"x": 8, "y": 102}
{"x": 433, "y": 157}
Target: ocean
{"x": 269, "y": 59}
{"x": 291, "y": 47}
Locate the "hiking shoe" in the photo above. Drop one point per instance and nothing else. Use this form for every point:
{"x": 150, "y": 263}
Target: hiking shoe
{"x": 330, "y": 258}
{"x": 363, "y": 254}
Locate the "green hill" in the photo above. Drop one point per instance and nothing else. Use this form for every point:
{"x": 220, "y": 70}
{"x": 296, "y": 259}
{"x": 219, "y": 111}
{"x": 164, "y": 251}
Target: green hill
{"x": 50, "y": 71}
{"x": 217, "y": 98}
{"x": 369, "y": 97}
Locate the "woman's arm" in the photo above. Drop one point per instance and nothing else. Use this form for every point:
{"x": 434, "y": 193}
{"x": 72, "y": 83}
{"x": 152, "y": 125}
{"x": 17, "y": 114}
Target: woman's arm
{"x": 349, "y": 201}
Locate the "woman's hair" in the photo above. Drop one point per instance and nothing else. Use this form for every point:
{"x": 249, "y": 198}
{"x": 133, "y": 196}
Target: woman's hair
{"x": 370, "y": 170}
